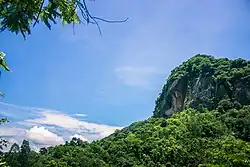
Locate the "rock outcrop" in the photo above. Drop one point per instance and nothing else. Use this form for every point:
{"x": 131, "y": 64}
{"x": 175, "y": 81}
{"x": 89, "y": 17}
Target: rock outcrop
{"x": 204, "y": 81}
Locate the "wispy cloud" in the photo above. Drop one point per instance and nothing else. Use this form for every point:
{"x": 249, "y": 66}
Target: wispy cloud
{"x": 55, "y": 118}
{"x": 80, "y": 115}
{"x": 45, "y": 127}
{"x": 9, "y": 131}
{"x": 136, "y": 76}
{"x": 175, "y": 31}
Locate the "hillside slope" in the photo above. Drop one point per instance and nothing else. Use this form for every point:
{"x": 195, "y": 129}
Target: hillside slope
{"x": 213, "y": 128}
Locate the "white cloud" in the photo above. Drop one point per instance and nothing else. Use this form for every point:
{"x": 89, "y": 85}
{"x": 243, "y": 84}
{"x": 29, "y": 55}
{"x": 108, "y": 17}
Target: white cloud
{"x": 49, "y": 127}
{"x": 79, "y": 136}
{"x": 43, "y": 136}
{"x": 65, "y": 121}
{"x": 53, "y": 118}
{"x": 39, "y": 135}
{"x": 80, "y": 115}
{"x": 11, "y": 131}
{"x": 138, "y": 76}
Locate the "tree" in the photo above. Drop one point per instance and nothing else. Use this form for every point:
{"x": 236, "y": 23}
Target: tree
{"x": 18, "y": 16}
{"x": 12, "y": 157}
{"x": 3, "y": 162}
{"x": 43, "y": 150}
{"x": 77, "y": 142}
{"x": 3, "y": 142}
{"x": 24, "y": 154}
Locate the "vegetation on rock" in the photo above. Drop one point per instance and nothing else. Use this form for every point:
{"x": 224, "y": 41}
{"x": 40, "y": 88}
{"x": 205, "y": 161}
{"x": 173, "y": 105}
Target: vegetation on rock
{"x": 204, "y": 81}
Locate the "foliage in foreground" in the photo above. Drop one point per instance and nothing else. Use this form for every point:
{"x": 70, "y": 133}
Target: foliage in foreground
{"x": 3, "y": 142}
{"x": 19, "y": 16}
{"x": 190, "y": 138}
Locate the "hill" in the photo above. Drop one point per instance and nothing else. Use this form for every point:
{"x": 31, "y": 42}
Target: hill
{"x": 201, "y": 118}
{"x": 204, "y": 81}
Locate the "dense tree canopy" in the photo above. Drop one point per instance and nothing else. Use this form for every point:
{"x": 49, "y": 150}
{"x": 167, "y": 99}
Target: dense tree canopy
{"x": 189, "y": 138}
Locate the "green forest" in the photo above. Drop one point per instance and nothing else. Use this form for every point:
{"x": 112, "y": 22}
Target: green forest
{"x": 214, "y": 135}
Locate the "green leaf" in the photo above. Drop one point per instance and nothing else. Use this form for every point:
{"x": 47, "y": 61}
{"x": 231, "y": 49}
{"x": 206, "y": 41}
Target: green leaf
{"x": 3, "y": 63}
{"x": 2, "y": 94}
{"x": 3, "y": 120}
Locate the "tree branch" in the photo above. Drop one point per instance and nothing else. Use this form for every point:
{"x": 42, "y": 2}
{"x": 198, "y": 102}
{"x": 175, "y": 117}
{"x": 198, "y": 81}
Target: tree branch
{"x": 40, "y": 10}
{"x": 88, "y": 17}
{"x": 110, "y": 21}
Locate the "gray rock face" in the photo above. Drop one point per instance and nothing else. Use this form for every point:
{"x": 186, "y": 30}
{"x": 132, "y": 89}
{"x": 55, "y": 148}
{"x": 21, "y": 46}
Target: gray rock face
{"x": 242, "y": 91}
{"x": 203, "y": 91}
{"x": 176, "y": 96}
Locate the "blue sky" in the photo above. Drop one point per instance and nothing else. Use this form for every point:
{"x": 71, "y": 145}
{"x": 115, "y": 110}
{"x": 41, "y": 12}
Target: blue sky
{"x": 115, "y": 78}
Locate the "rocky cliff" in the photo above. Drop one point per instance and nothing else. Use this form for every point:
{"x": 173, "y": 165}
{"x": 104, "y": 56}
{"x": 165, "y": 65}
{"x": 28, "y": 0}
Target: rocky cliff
{"x": 204, "y": 81}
